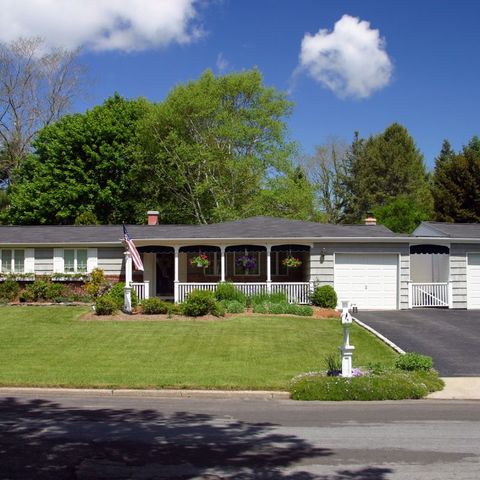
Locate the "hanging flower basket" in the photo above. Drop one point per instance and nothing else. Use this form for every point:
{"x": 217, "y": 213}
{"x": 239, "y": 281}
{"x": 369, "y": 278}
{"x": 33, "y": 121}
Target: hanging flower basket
{"x": 248, "y": 262}
{"x": 291, "y": 262}
{"x": 200, "y": 261}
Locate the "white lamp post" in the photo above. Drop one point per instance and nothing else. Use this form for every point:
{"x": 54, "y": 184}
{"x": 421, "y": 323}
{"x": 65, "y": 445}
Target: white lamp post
{"x": 127, "y": 299}
{"x": 346, "y": 348}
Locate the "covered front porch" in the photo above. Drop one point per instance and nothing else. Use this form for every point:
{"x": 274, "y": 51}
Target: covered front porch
{"x": 172, "y": 272}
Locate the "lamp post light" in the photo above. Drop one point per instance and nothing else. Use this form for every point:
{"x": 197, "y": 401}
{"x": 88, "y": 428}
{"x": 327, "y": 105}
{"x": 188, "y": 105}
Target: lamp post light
{"x": 346, "y": 348}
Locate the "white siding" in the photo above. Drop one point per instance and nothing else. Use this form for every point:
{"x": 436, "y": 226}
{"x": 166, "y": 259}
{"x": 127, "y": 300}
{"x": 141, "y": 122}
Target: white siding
{"x": 458, "y": 272}
{"x": 111, "y": 260}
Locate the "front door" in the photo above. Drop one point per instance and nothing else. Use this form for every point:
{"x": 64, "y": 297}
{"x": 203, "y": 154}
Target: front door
{"x": 165, "y": 274}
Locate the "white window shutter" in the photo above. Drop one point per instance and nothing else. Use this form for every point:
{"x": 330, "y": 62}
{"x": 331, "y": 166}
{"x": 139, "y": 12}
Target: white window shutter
{"x": 29, "y": 263}
{"x": 92, "y": 259}
{"x": 58, "y": 263}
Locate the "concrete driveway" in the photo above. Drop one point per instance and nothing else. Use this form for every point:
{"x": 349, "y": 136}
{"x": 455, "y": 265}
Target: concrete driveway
{"x": 450, "y": 337}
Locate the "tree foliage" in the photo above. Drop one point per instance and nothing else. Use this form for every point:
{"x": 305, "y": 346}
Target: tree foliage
{"x": 81, "y": 169}
{"x": 382, "y": 168}
{"x": 402, "y": 214}
{"x": 211, "y": 145}
{"x": 456, "y": 183}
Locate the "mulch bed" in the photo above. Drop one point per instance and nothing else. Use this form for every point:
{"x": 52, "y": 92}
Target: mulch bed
{"x": 318, "y": 313}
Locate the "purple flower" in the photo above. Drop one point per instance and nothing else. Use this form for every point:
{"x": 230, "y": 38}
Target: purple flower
{"x": 356, "y": 372}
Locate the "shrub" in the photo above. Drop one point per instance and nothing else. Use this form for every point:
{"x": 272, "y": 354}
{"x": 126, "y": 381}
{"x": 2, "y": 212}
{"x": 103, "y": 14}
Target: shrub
{"x": 393, "y": 385}
{"x": 414, "y": 362}
{"x": 97, "y": 285}
{"x": 276, "y": 297}
{"x": 105, "y": 305}
{"x": 117, "y": 293}
{"x": 9, "y": 291}
{"x": 229, "y": 292}
{"x": 324, "y": 297}
{"x": 333, "y": 364}
{"x": 282, "y": 307}
{"x": 260, "y": 307}
{"x": 153, "y": 306}
{"x": 56, "y": 292}
{"x": 233, "y": 306}
{"x": 200, "y": 302}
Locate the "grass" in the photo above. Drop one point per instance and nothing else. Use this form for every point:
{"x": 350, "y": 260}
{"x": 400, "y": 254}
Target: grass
{"x": 51, "y": 346}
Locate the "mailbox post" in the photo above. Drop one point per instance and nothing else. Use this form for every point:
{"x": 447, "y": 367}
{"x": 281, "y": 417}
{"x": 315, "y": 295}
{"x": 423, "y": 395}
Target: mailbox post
{"x": 346, "y": 348}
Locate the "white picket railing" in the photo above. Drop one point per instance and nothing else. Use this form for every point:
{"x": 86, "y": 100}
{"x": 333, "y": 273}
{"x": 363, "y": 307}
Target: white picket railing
{"x": 297, "y": 292}
{"x": 142, "y": 289}
{"x": 429, "y": 294}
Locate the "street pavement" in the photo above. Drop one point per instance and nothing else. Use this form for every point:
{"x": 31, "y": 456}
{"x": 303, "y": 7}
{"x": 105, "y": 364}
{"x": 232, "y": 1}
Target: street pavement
{"x": 450, "y": 337}
{"x": 86, "y": 436}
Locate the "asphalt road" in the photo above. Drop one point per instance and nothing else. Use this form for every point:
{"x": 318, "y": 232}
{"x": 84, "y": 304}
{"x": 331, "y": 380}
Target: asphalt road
{"x": 450, "y": 337}
{"x": 89, "y": 437}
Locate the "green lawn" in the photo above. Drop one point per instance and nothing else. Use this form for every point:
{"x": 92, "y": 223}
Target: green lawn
{"x": 50, "y": 346}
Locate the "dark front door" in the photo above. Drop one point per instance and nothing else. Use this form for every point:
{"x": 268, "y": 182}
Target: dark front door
{"x": 165, "y": 274}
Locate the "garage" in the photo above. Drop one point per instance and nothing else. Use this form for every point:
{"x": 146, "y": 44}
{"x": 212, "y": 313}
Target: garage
{"x": 473, "y": 280}
{"x": 368, "y": 280}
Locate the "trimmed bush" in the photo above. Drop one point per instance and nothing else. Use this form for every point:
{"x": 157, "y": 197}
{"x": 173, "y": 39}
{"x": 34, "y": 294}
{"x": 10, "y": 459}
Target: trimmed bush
{"x": 199, "y": 303}
{"x": 154, "y": 306}
{"x": 393, "y": 385}
{"x": 229, "y": 292}
{"x": 9, "y": 291}
{"x": 414, "y": 362}
{"x": 117, "y": 293}
{"x": 324, "y": 297}
{"x": 260, "y": 307}
{"x": 233, "y": 306}
{"x": 105, "y": 305}
{"x": 300, "y": 310}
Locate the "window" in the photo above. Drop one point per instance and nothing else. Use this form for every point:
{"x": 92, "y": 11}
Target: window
{"x": 13, "y": 261}
{"x": 247, "y": 263}
{"x": 75, "y": 260}
{"x": 277, "y": 266}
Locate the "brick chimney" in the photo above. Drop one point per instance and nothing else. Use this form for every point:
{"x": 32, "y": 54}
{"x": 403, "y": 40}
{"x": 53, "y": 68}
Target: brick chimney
{"x": 370, "y": 220}
{"x": 152, "y": 217}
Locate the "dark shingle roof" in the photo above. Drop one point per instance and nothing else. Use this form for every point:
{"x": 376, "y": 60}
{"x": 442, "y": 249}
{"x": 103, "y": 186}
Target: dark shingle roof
{"x": 455, "y": 230}
{"x": 250, "y": 228}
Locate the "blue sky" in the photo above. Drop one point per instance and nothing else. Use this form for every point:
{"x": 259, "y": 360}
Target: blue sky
{"x": 431, "y": 49}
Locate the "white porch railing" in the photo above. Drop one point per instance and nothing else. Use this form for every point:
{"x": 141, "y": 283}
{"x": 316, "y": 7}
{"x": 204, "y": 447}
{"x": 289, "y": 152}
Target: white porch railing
{"x": 297, "y": 292}
{"x": 142, "y": 289}
{"x": 429, "y": 294}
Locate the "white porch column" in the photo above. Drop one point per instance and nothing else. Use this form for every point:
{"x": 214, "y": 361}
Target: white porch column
{"x": 127, "y": 301}
{"x": 410, "y": 294}
{"x": 222, "y": 263}
{"x": 176, "y": 276}
{"x": 450, "y": 293}
{"x": 269, "y": 268}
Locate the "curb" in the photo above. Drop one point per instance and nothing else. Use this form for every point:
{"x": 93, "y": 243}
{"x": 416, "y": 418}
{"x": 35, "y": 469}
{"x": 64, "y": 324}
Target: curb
{"x": 380, "y": 336}
{"x": 167, "y": 393}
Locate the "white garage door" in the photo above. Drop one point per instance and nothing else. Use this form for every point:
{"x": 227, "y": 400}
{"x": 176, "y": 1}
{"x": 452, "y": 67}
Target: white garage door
{"x": 369, "y": 281}
{"x": 473, "y": 280}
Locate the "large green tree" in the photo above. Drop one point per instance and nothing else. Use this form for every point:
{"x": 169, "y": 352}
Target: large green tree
{"x": 81, "y": 169}
{"x": 456, "y": 183}
{"x": 382, "y": 168}
{"x": 211, "y": 146}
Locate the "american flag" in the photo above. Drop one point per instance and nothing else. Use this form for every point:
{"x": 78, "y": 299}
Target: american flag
{"x": 137, "y": 261}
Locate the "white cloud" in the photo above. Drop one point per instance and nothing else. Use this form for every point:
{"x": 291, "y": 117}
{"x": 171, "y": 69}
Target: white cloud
{"x": 221, "y": 63}
{"x": 351, "y": 60}
{"x": 101, "y": 24}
